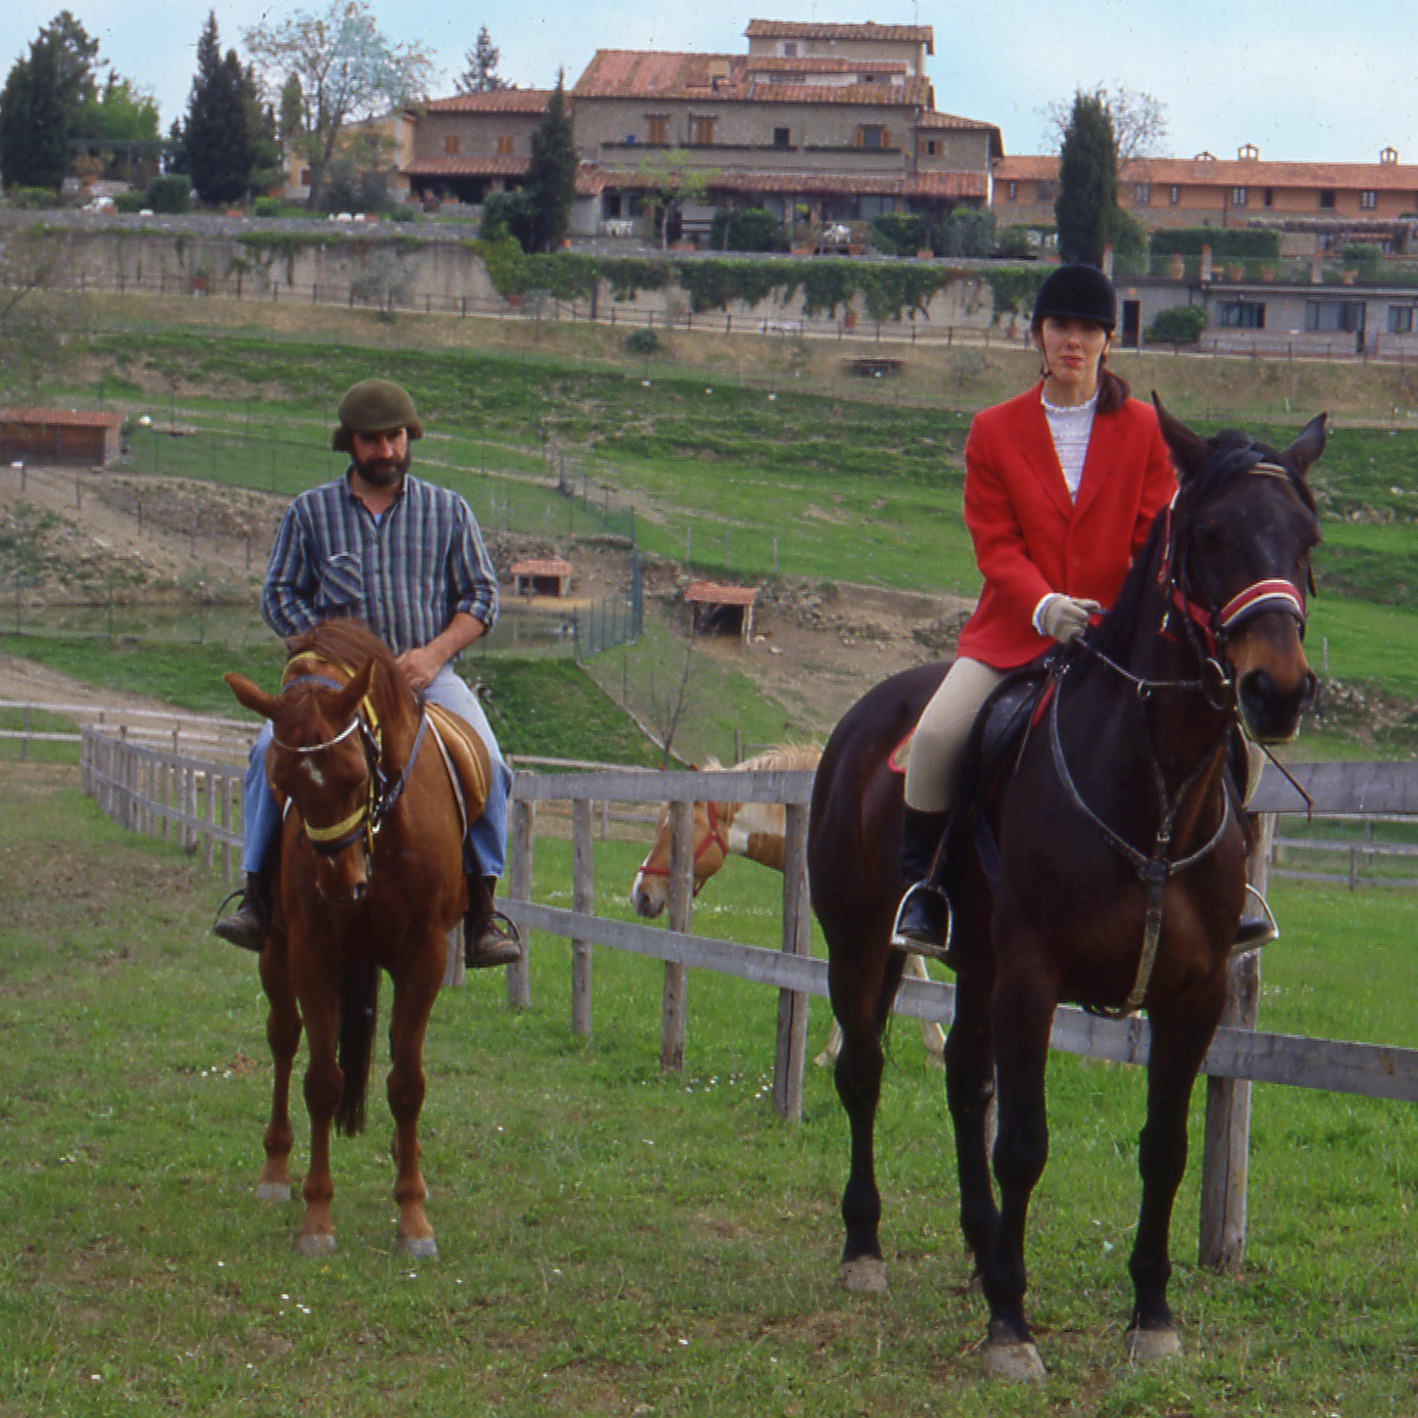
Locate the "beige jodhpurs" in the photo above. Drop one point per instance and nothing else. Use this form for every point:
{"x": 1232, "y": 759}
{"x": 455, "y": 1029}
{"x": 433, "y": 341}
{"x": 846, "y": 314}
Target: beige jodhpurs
{"x": 938, "y": 745}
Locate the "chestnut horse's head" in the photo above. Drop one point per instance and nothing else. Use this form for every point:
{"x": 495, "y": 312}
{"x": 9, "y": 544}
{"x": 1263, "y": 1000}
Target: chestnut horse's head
{"x": 323, "y": 759}
{"x": 651, "y": 888}
{"x": 1241, "y": 532}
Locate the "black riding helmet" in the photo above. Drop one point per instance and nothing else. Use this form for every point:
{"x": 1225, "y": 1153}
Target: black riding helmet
{"x": 1077, "y": 292}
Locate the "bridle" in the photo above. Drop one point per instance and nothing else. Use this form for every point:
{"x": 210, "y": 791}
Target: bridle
{"x": 715, "y": 836}
{"x": 366, "y": 820}
{"x": 1207, "y": 627}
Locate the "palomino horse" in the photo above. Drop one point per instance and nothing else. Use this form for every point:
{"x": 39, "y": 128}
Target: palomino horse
{"x": 755, "y": 831}
{"x": 371, "y": 878}
{"x": 1116, "y": 865}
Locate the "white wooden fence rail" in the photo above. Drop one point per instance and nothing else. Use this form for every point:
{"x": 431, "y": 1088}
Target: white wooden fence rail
{"x": 166, "y": 794}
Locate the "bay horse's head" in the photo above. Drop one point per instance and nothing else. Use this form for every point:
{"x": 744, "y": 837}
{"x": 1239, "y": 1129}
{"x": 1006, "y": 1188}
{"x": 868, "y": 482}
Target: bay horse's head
{"x": 651, "y": 888}
{"x": 323, "y": 759}
{"x": 1240, "y": 534}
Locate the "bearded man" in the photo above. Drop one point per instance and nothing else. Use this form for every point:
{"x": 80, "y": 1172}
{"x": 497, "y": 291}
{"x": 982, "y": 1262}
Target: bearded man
{"x": 405, "y": 557}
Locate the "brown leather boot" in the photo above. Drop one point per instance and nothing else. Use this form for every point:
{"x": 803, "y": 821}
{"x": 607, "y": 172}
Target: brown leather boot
{"x": 246, "y": 926}
{"x": 489, "y": 938}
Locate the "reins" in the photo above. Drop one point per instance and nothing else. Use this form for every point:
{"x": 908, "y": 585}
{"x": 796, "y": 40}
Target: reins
{"x": 714, "y": 835}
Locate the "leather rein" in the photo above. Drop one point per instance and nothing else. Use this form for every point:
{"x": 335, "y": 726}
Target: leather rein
{"x": 366, "y": 820}
{"x": 1206, "y": 629}
{"x": 714, "y": 836}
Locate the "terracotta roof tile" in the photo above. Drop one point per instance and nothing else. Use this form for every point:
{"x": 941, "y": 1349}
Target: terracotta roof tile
{"x": 822, "y": 64}
{"x": 922, "y": 184}
{"x": 800, "y": 29}
{"x": 530, "y": 101}
{"x": 1232, "y": 172}
{"x": 932, "y": 119}
{"x": 69, "y": 418}
{"x": 466, "y": 167}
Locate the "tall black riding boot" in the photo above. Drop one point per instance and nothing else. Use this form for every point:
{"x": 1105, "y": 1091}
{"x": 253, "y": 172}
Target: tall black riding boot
{"x": 489, "y": 938}
{"x": 923, "y": 918}
{"x": 246, "y": 926}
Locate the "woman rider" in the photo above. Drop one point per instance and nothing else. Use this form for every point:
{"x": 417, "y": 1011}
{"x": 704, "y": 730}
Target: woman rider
{"x": 1061, "y": 486}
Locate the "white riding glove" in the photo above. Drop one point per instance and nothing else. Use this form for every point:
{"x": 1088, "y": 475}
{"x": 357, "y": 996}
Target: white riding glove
{"x": 1063, "y": 618}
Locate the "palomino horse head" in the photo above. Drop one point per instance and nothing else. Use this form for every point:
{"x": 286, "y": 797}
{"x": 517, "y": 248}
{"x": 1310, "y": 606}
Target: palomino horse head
{"x": 651, "y": 888}
{"x": 1240, "y": 532}
{"x": 323, "y": 760}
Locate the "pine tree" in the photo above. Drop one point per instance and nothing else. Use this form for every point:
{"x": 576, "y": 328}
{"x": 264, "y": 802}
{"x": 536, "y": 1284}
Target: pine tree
{"x": 1087, "y": 205}
{"x": 481, "y": 75}
{"x": 550, "y": 183}
{"x": 217, "y": 136}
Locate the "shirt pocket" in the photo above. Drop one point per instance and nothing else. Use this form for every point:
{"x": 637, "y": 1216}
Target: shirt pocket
{"x": 341, "y": 585}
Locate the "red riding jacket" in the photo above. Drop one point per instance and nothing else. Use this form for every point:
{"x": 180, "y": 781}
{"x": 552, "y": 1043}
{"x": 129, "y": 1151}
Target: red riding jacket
{"x": 1032, "y": 538}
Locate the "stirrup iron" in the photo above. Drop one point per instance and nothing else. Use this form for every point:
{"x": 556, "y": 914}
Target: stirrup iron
{"x": 910, "y": 944}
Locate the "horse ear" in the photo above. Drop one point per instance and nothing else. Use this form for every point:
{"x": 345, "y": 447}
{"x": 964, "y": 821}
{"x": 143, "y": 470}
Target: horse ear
{"x": 353, "y": 694}
{"x": 251, "y": 696}
{"x": 1189, "y": 450}
{"x": 1307, "y": 448}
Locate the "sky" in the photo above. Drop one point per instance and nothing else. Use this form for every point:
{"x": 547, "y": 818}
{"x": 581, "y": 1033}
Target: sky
{"x": 1311, "y": 80}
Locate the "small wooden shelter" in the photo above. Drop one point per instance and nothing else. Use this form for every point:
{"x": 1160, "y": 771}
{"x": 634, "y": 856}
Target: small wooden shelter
{"x": 59, "y": 436}
{"x": 547, "y": 577}
{"x": 718, "y": 609}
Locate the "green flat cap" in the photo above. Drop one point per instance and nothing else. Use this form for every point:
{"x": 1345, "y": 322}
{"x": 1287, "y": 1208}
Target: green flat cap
{"x": 372, "y": 406}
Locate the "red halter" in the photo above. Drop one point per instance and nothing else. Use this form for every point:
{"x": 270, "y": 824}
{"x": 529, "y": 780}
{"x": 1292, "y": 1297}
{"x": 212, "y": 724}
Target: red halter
{"x": 713, "y": 835}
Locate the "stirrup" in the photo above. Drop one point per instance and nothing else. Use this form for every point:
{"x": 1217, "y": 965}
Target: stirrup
{"x": 1256, "y": 931}
{"x": 511, "y": 936}
{"x": 914, "y": 945}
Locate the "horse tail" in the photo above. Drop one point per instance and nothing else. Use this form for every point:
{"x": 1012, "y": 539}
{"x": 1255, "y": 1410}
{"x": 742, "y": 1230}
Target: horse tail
{"x": 359, "y": 1007}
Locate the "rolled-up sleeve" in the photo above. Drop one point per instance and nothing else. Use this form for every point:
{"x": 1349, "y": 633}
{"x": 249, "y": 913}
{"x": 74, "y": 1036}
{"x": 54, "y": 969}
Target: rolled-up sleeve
{"x": 471, "y": 576}
{"x": 288, "y": 593}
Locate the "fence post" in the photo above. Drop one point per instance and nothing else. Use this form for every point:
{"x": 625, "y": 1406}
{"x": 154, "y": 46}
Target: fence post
{"x": 1225, "y": 1159}
{"x": 519, "y": 888}
{"x": 797, "y": 940}
{"x": 583, "y": 902}
{"x": 681, "y": 904}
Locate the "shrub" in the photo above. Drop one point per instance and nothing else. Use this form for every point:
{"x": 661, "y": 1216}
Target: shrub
{"x": 1177, "y": 325}
{"x": 130, "y": 201}
{"x": 749, "y": 229}
{"x": 964, "y": 232}
{"x": 900, "y": 233}
{"x": 642, "y": 342}
{"x": 1224, "y": 242}
{"x": 171, "y": 193}
{"x": 508, "y": 214}
{"x": 1015, "y": 244}
{"x": 267, "y": 207}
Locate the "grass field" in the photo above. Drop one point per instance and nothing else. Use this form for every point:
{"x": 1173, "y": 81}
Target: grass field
{"x": 616, "y": 1240}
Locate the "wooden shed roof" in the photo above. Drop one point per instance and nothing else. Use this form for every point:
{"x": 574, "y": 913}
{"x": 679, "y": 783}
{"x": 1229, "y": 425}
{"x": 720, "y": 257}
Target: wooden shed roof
{"x": 549, "y": 566}
{"x": 64, "y": 418}
{"x": 718, "y": 594}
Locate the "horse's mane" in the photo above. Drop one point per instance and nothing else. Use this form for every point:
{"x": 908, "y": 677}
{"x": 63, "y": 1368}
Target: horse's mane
{"x": 349, "y": 643}
{"x": 784, "y": 758}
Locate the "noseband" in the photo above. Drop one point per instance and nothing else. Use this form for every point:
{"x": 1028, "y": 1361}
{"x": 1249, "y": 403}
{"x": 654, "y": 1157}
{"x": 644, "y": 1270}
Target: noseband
{"x": 714, "y": 835}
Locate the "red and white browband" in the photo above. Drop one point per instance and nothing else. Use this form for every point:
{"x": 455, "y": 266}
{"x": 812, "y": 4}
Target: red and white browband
{"x": 1261, "y": 596}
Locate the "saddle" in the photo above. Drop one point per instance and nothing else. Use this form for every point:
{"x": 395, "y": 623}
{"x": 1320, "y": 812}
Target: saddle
{"x": 466, "y": 758}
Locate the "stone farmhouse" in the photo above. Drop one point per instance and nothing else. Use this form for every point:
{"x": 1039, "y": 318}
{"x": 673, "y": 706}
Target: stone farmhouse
{"x": 1316, "y": 207}
{"x": 818, "y": 123}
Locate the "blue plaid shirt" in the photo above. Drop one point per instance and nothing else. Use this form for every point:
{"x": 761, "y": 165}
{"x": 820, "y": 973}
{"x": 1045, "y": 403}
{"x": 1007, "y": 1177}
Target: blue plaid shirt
{"x": 405, "y": 574}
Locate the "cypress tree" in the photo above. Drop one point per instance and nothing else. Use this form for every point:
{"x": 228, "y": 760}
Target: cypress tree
{"x": 550, "y": 184}
{"x": 34, "y": 125}
{"x": 1085, "y": 209}
{"x": 217, "y": 136}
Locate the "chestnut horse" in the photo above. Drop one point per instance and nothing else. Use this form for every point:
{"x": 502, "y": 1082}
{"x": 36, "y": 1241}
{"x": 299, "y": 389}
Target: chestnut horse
{"x": 1103, "y": 865}
{"x": 371, "y": 879}
{"x": 755, "y": 831}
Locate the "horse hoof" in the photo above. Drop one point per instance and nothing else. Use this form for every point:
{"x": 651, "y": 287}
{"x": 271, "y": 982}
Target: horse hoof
{"x": 865, "y": 1275}
{"x": 1014, "y": 1363}
{"x": 417, "y": 1247}
{"x": 273, "y": 1191}
{"x": 1151, "y": 1346}
{"x": 317, "y": 1243}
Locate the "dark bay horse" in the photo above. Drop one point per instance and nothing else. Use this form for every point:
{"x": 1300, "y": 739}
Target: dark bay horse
{"x": 371, "y": 879}
{"x": 1116, "y": 851}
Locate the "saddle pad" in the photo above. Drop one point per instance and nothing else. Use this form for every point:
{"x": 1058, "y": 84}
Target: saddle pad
{"x": 466, "y": 753}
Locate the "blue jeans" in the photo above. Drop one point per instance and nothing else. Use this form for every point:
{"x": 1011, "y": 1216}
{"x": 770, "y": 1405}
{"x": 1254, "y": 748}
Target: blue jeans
{"x": 487, "y": 837}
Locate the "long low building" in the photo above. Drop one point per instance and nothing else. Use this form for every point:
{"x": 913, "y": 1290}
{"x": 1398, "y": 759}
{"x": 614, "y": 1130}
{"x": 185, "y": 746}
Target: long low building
{"x": 59, "y": 436}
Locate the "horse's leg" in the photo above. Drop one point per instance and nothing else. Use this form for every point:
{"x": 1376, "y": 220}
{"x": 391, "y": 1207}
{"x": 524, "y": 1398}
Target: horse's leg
{"x": 1023, "y": 1011}
{"x": 1182, "y": 1029}
{"x": 283, "y": 1037}
{"x": 969, "y": 1091}
{"x": 323, "y": 1085}
{"x": 861, "y": 999}
{"x": 414, "y": 992}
